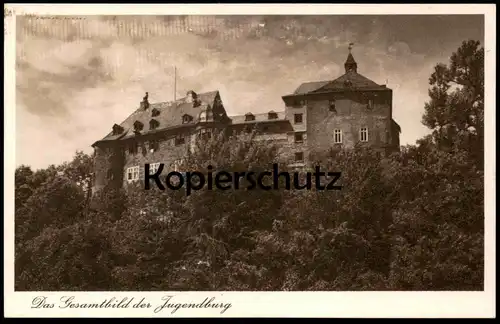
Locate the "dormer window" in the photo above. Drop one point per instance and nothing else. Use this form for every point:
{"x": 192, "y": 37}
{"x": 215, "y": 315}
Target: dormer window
{"x": 138, "y": 126}
{"x": 153, "y": 124}
{"x": 249, "y": 117}
{"x": 155, "y": 112}
{"x": 117, "y": 129}
{"x": 186, "y": 119}
{"x": 272, "y": 115}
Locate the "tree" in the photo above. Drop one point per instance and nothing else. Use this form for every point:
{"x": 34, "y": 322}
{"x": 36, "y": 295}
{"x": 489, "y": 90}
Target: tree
{"x": 73, "y": 257}
{"x": 80, "y": 171}
{"x": 410, "y": 221}
{"x": 438, "y": 223}
{"x": 455, "y": 111}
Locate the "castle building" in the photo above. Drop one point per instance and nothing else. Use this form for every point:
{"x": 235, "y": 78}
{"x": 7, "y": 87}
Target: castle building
{"x": 318, "y": 116}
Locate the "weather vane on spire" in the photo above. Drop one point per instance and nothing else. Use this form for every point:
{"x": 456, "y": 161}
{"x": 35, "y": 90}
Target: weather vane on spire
{"x": 350, "y": 47}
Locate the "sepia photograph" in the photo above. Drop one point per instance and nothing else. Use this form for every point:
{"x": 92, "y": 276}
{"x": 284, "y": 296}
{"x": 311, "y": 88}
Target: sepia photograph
{"x": 248, "y": 153}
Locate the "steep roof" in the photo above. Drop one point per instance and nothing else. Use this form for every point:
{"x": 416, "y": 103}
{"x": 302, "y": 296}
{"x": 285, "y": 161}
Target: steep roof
{"x": 350, "y": 59}
{"x": 170, "y": 115}
{"x": 351, "y": 78}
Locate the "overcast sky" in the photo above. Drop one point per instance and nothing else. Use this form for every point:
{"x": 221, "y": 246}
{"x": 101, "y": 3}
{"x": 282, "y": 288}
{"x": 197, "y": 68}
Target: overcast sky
{"x": 77, "y": 77}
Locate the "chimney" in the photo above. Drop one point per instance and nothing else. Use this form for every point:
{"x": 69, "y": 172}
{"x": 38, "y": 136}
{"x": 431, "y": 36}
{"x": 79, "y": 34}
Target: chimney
{"x": 145, "y": 102}
{"x": 191, "y": 96}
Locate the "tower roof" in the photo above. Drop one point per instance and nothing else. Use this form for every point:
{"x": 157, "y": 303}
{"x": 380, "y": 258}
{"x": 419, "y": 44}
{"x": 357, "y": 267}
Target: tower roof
{"x": 350, "y": 79}
{"x": 350, "y": 64}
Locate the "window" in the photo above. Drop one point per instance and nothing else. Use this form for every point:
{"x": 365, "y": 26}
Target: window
{"x": 180, "y": 140}
{"x": 369, "y": 105}
{"x": 363, "y": 134}
{"x": 205, "y": 134}
{"x": 272, "y": 115}
{"x": 153, "y": 146}
{"x": 299, "y": 156}
{"x": 186, "y": 119}
{"x": 117, "y": 129}
{"x": 297, "y": 118}
{"x": 249, "y": 117}
{"x": 133, "y": 174}
{"x": 299, "y": 137}
{"x": 138, "y": 126}
{"x": 110, "y": 174}
{"x": 133, "y": 148}
{"x": 337, "y": 136}
{"x": 177, "y": 165}
{"x": 155, "y": 112}
{"x": 153, "y": 124}
{"x": 331, "y": 105}
{"x": 153, "y": 167}
{"x": 298, "y": 103}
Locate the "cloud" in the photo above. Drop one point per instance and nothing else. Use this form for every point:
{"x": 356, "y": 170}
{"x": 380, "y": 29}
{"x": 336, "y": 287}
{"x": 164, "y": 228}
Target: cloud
{"x": 76, "y": 77}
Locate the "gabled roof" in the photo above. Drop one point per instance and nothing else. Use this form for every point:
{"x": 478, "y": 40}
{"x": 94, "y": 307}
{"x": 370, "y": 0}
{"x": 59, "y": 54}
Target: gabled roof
{"x": 170, "y": 115}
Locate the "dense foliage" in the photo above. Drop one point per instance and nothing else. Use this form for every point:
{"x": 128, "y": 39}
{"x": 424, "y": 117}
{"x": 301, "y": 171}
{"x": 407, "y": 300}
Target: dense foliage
{"x": 410, "y": 221}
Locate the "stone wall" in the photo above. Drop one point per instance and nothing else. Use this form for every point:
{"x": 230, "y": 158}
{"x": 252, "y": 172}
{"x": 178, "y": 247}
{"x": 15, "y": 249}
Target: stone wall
{"x": 108, "y": 166}
{"x": 350, "y": 115}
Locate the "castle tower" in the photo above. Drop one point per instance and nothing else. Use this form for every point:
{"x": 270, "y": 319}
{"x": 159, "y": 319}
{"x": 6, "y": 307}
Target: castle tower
{"x": 341, "y": 113}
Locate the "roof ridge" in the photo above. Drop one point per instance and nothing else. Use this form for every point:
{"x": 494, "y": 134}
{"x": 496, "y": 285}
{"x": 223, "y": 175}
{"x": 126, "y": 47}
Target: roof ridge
{"x": 182, "y": 98}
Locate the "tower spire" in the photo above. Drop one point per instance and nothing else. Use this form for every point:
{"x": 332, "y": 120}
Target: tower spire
{"x": 350, "y": 64}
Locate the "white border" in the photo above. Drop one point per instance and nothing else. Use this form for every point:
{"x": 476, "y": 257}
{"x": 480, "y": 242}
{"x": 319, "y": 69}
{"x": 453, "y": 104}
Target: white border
{"x": 261, "y": 304}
